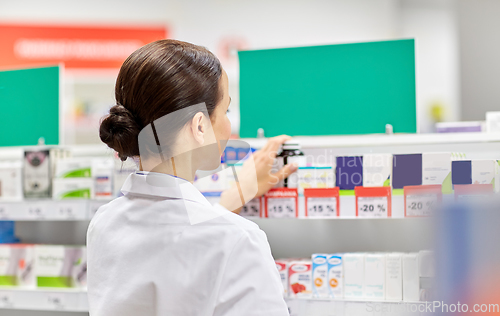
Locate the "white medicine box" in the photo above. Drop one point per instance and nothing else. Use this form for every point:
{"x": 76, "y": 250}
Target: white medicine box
{"x": 375, "y": 276}
{"x": 354, "y": 275}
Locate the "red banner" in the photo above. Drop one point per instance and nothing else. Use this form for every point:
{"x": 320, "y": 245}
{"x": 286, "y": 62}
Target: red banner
{"x": 77, "y": 46}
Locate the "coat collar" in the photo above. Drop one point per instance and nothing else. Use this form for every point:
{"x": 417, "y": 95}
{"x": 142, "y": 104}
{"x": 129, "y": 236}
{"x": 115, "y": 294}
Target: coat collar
{"x": 162, "y": 185}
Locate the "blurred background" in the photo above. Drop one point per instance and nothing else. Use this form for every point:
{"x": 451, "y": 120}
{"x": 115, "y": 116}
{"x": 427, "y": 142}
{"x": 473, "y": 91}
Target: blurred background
{"x": 457, "y": 44}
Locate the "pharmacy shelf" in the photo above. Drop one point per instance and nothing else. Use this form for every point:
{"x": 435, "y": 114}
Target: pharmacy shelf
{"x": 84, "y": 210}
{"x": 385, "y": 140}
{"x": 70, "y": 300}
{"x": 9, "y": 153}
{"x": 344, "y": 307}
{"x": 75, "y": 300}
{"x": 49, "y": 210}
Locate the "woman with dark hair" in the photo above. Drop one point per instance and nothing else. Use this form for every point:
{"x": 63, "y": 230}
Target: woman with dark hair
{"x": 162, "y": 248}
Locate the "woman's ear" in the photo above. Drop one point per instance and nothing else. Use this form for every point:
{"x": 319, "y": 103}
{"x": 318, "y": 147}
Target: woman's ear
{"x": 198, "y": 128}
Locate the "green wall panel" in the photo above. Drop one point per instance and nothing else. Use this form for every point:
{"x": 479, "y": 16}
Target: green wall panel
{"x": 328, "y": 90}
{"x": 29, "y": 104}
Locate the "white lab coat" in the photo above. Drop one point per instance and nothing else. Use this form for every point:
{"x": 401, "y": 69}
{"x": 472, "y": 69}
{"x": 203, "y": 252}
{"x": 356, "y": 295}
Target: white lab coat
{"x": 163, "y": 249}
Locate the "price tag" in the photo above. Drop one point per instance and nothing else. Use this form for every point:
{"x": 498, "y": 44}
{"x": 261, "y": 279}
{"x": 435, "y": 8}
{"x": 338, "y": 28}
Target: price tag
{"x": 472, "y": 197}
{"x": 6, "y": 300}
{"x": 473, "y": 192}
{"x": 281, "y": 202}
{"x": 322, "y": 207}
{"x": 66, "y": 210}
{"x": 56, "y": 301}
{"x": 74, "y": 210}
{"x": 3, "y": 211}
{"x": 251, "y": 209}
{"x": 37, "y": 210}
{"x": 281, "y": 207}
{"x": 421, "y": 204}
{"x": 372, "y": 206}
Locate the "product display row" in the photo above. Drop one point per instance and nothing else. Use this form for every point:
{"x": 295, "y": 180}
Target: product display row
{"x": 43, "y": 266}
{"x": 360, "y": 276}
{"x": 371, "y": 170}
{"x": 51, "y": 173}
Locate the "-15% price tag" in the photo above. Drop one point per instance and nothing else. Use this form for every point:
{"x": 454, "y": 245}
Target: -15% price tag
{"x": 252, "y": 208}
{"x": 322, "y": 207}
{"x": 281, "y": 207}
{"x": 421, "y": 204}
{"x": 372, "y": 206}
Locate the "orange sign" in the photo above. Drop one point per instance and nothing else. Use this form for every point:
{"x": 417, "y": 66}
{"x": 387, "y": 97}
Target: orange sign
{"x": 78, "y": 47}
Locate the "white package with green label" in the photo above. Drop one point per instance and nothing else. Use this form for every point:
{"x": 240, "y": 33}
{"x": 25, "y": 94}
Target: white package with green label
{"x": 9, "y": 257}
{"x": 54, "y": 265}
{"x": 25, "y": 271}
{"x": 79, "y": 273}
{"x": 72, "y": 188}
{"x": 73, "y": 168}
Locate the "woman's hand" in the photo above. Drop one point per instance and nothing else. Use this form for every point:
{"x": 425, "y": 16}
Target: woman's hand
{"x": 246, "y": 188}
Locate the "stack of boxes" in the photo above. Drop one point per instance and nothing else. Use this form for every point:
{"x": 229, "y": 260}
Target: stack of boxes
{"x": 53, "y": 174}
{"x": 360, "y": 276}
{"x": 387, "y": 170}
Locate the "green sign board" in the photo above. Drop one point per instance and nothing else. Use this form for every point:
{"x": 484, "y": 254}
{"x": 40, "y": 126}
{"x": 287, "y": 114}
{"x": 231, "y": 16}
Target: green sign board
{"x": 328, "y": 90}
{"x": 29, "y": 101}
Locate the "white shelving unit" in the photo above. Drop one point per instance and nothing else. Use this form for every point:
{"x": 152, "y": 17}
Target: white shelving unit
{"x": 84, "y": 210}
{"x": 68, "y": 300}
{"x": 49, "y": 210}
{"x": 65, "y": 300}
{"x": 60, "y": 221}
{"x": 317, "y": 307}
{"x": 386, "y": 140}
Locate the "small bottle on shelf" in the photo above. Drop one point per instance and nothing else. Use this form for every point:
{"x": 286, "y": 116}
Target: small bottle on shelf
{"x": 290, "y": 153}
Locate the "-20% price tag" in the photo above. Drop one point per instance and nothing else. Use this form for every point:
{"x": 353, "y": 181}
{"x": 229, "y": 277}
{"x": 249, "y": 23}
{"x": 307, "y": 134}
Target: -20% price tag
{"x": 372, "y": 206}
{"x": 421, "y": 204}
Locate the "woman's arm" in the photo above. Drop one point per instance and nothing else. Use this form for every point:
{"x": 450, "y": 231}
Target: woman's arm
{"x": 246, "y": 188}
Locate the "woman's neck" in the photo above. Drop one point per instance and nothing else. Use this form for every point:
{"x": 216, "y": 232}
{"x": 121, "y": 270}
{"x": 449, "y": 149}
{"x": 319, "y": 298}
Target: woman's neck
{"x": 175, "y": 166}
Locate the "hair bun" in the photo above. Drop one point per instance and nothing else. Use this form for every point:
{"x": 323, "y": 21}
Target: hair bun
{"x": 119, "y": 130}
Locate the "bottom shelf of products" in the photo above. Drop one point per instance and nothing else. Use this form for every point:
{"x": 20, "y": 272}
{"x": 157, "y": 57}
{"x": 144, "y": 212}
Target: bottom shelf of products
{"x": 342, "y": 307}
{"x": 75, "y": 300}
{"x": 71, "y": 300}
